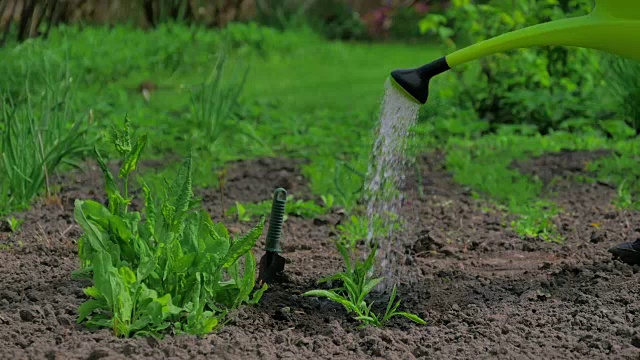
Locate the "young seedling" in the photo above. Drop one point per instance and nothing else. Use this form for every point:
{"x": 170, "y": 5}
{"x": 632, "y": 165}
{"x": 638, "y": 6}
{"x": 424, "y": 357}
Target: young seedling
{"x": 536, "y": 221}
{"x": 242, "y": 212}
{"x": 624, "y": 200}
{"x": 14, "y": 224}
{"x": 327, "y": 201}
{"x": 357, "y": 229}
{"x": 357, "y": 284}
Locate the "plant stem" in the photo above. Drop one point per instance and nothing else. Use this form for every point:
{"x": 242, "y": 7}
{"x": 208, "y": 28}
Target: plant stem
{"x": 221, "y": 187}
{"x": 126, "y": 193}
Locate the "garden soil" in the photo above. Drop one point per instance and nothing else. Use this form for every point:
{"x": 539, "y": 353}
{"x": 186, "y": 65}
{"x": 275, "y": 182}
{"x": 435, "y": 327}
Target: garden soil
{"x": 485, "y": 292}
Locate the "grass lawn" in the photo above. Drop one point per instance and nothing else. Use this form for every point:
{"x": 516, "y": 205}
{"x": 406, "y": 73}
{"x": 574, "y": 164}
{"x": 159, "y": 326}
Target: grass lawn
{"x": 342, "y": 78}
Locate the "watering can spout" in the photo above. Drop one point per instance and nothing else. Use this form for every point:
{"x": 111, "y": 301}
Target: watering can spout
{"x": 613, "y": 26}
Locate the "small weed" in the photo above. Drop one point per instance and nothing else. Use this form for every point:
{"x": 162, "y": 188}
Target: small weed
{"x": 328, "y": 201}
{"x": 357, "y": 285}
{"x": 356, "y": 229}
{"x": 309, "y": 209}
{"x": 624, "y": 199}
{"x": 305, "y": 209}
{"x": 536, "y": 221}
{"x": 11, "y": 246}
{"x": 353, "y": 231}
{"x": 242, "y": 212}
{"x": 14, "y": 224}
{"x": 621, "y": 170}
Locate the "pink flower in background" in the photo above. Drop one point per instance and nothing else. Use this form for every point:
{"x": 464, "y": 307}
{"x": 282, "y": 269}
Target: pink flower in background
{"x": 421, "y": 7}
{"x": 379, "y": 21}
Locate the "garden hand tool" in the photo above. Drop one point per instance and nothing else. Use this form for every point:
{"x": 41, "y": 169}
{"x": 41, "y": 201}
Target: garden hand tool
{"x": 272, "y": 263}
{"x": 613, "y": 26}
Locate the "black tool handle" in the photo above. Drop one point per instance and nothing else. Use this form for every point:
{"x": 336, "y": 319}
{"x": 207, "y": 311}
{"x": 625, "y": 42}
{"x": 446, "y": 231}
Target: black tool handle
{"x": 276, "y": 220}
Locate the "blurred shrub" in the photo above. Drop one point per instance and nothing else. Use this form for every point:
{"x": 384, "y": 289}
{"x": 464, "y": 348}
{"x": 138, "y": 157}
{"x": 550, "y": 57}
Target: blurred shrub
{"x": 400, "y": 20}
{"x": 337, "y": 20}
{"x": 282, "y": 14}
{"x": 542, "y": 86}
{"x": 404, "y": 23}
{"x": 405, "y": 20}
{"x": 624, "y": 77}
{"x": 334, "y": 19}
{"x": 252, "y": 37}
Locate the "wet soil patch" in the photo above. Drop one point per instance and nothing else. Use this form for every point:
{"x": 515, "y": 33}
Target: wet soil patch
{"x": 485, "y": 292}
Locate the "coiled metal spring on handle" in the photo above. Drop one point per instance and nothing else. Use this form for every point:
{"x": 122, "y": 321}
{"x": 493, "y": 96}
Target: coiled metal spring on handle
{"x": 278, "y": 208}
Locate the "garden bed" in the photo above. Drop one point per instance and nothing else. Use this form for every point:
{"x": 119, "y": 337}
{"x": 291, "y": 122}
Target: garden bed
{"x": 482, "y": 289}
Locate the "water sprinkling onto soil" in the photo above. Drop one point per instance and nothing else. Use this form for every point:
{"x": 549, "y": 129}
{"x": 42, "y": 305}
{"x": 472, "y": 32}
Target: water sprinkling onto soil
{"x": 386, "y": 177}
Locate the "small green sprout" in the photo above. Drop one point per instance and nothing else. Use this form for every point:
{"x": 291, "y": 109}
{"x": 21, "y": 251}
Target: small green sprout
{"x": 536, "y": 221}
{"x": 14, "y": 224}
{"x": 357, "y": 229}
{"x": 624, "y": 198}
{"x": 357, "y": 284}
{"x": 242, "y": 212}
{"x": 327, "y": 201}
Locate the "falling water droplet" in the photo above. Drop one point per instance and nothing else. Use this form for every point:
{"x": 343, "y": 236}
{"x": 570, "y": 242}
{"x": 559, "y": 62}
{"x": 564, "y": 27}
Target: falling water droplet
{"x": 386, "y": 177}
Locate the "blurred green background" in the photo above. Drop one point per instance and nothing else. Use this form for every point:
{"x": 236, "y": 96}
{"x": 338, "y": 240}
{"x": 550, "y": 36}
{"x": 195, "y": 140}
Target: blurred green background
{"x": 236, "y": 80}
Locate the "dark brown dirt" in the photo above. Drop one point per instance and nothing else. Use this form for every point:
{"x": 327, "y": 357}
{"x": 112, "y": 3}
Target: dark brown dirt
{"x": 485, "y": 292}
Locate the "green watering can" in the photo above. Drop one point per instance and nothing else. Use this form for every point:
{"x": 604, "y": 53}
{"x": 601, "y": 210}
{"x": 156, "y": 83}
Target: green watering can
{"x": 613, "y": 26}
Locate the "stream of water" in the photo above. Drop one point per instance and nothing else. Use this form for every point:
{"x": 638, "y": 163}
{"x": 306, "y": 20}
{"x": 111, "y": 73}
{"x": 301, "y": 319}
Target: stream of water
{"x": 385, "y": 178}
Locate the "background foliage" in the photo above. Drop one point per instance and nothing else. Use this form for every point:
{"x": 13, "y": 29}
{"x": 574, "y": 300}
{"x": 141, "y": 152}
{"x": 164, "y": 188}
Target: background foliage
{"x": 541, "y": 86}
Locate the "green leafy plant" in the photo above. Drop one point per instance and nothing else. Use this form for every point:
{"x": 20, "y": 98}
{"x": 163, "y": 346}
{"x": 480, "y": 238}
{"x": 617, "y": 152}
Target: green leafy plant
{"x": 354, "y": 230}
{"x": 535, "y": 220}
{"x": 357, "y": 229}
{"x": 14, "y": 224}
{"x": 357, "y": 285}
{"x": 328, "y": 201}
{"x": 173, "y": 270}
{"x": 214, "y": 107}
{"x": 242, "y": 212}
{"x": 344, "y": 179}
{"x": 621, "y": 170}
{"x": 309, "y": 209}
{"x": 543, "y": 86}
{"x": 624, "y": 197}
{"x": 36, "y": 138}
{"x": 624, "y": 84}
{"x": 617, "y": 129}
